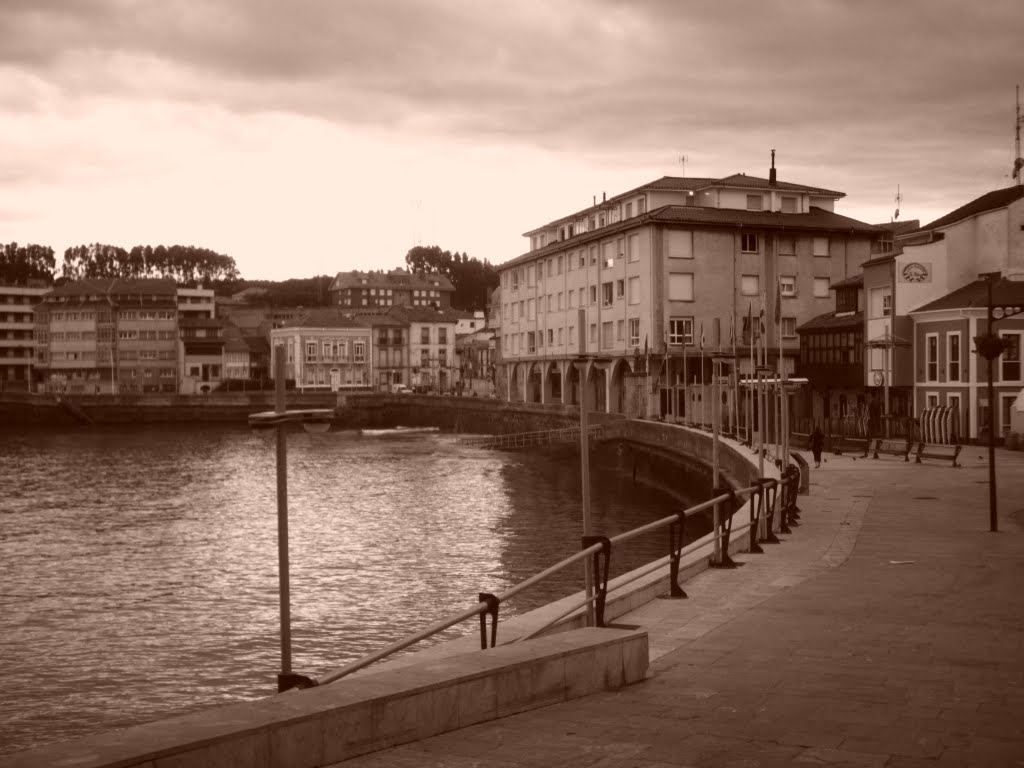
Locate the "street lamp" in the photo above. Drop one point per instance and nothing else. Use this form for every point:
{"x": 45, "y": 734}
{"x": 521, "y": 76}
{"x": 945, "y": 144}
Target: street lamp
{"x": 313, "y": 420}
{"x": 991, "y": 346}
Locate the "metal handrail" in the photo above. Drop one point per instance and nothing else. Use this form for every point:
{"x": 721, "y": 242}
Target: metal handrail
{"x": 484, "y": 607}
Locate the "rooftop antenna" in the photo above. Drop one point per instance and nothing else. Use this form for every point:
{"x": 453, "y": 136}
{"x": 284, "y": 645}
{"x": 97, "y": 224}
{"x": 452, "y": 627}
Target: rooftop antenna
{"x": 1018, "y": 161}
{"x": 898, "y": 199}
{"x": 682, "y": 164}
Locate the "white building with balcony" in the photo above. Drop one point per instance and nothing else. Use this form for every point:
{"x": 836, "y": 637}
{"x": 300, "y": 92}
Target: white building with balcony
{"x": 17, "y": 327}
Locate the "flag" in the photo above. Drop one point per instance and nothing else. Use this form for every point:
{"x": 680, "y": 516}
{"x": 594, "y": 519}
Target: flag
{"x": 750, "y": 323}
{"x": 762, "y": 329}
{"x": 702, "y": 336}
{"x": 778, "y": 302}
{"x": 732, "y": 332}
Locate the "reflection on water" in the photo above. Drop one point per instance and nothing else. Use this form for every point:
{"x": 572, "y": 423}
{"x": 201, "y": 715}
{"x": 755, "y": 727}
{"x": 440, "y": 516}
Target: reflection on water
{"x": 140, "y": 569}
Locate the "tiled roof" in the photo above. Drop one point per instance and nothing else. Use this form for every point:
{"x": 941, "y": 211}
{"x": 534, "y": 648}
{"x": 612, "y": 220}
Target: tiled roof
{"x": 378, "y": 320}
{"x": 899, "y": 227}
{"x": 829, "y": 321}
{"x": 818, "y": 219}
{"x": 235, "y": 344}
{"x": 976, "y": 295}
{"x": 117, "y": 287}
{"x": 323, "y": 318}
{"x": 398, "y": 278}
{"x": 1000, "y": 198}
{"x": 425, "y": 314}
{"x": 755, "y": 182}
{"x": 857, "y": 281}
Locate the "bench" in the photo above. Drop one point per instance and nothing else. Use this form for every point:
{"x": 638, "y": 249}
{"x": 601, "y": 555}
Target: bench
{"x": 842, "y": 443}
{"x": 937, "y": 451}
{"x": 892, "y": 448}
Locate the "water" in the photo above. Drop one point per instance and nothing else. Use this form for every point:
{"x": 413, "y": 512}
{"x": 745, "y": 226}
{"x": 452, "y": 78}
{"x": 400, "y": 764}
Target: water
{"x": 140, "y": 567}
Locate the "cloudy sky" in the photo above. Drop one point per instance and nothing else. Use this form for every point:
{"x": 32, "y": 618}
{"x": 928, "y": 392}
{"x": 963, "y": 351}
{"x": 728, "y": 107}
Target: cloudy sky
{"x": 311, "y": 136}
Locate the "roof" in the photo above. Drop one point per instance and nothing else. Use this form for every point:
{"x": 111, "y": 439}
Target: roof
{"x": 990, "y": 201}
{"x": 258, "y": 344}
{"x": 899, "y": 227}
{"x": 755, "y": 182}
{"x": 115, "y": 286}
{"x": 323, "y": 318}
{"x": 396, "y": 278}
{"x": 425, "y": 314}
{"x": 817, "y": 219}
{"x": 857, "y": 281}
{"x": 379, "y": 320}
{"x": 976, "y": 295}
{"x": 829, "y": 321}
{"x": 235, "y": 344}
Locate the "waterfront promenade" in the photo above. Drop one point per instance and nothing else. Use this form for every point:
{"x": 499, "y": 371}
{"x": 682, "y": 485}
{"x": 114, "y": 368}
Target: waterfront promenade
{"x": 887, "y": 630}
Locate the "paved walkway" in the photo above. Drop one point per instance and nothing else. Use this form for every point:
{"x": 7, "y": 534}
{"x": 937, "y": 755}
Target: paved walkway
{"x": 887, "y": 630}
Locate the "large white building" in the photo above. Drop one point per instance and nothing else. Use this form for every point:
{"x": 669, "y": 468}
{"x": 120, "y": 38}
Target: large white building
{"x": 656, "y": 270}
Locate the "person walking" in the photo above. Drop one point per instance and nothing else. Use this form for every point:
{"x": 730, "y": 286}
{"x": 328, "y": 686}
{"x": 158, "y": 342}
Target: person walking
{"x": 817, "y": 443}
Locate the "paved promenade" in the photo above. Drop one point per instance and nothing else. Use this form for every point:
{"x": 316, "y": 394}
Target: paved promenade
{"x": 887, "y": 630}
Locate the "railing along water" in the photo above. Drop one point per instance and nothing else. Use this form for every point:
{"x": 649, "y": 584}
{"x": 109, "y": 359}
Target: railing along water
{"x": 598, "y": 547}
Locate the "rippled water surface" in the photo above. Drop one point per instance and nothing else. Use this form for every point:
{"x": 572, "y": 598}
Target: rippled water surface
{"x": 140, "y": 567}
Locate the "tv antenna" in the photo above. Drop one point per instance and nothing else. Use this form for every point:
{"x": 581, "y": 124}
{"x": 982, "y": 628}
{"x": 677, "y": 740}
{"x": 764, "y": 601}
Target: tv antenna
{"x": 898, "y": 199}
{"x": 1018, "y": 161}
{"x": 682, "y": 164}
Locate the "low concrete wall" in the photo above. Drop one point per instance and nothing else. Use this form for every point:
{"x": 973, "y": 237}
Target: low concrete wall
{"x": 373, "y": 711}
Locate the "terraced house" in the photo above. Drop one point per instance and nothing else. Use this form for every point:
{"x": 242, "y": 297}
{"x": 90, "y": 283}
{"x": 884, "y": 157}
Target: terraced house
{"x": 652, "y": 277}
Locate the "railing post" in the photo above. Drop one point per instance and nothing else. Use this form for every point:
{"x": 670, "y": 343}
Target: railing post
{"x": 492, "y": 610}
{"x": 771, "y": 488}
{"x": 723, "y": 531}
{"x": 676, "y": 535}
{"x": 756, "y": 511}
{"x": 600, "y": 574}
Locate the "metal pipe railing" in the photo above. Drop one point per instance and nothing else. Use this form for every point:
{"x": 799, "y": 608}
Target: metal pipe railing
{"x": 489, "y": 603}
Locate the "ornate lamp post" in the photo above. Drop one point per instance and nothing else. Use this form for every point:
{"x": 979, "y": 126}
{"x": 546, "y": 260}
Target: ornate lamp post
{"x": 314, "y": 420}
{"x": 991, "y": 346}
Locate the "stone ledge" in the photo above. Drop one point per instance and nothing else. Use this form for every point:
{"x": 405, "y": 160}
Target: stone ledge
{"x": 368, "y": 712}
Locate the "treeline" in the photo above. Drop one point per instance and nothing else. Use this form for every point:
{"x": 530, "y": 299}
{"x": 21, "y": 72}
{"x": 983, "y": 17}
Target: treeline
{"x": 295, "y": 292}
{"x": 474, "y": 280}
{"x": 187, "y": 265}
{"x": 21, "y": 263}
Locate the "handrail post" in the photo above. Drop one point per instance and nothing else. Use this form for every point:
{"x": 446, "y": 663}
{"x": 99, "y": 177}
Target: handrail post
{"x": 600, "y": 574}
{"x": 676, "y": 536}
{"x": 756, "y": 514}
{"x": 492, "y": 610}
{"x": 722, "y": 532}
{"x": 771, "y": 486}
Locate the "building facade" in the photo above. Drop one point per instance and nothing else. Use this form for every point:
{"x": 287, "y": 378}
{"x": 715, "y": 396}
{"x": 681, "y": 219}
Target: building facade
{"x": 201, "y": 354}
{"x": 369, "y": 290}
{"x": 325, "y": 351}
{"x": 640, "y": 280}
{"x": 431, "y": 355}
{"x": 17, "y": 334}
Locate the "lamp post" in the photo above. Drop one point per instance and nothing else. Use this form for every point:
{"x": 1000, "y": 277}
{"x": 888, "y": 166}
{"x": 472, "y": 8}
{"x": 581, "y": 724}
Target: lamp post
{"x": 314, "y": 420}
{"x": 583, "y": 367}
{"x": 991, "y": 346}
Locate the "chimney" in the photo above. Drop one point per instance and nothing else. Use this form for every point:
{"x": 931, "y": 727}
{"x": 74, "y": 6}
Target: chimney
{"x": 604, "y": 197}
{"x": 771, "y": 173}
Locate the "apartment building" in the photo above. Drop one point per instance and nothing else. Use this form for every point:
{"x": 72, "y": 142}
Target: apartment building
{"x": 432, "y": 362}
{"x": 17, "y": 334}
{"x": 108, "y": 336}
{"x": 325, "y": 351}
{"x": 389, "y": 351}
{"x": 196, "y": 302}
{"x": 369, "y": 290}
{"x": 638, "y": 280}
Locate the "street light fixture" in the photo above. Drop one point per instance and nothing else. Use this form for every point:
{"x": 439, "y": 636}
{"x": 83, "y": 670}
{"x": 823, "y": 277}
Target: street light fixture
{"x": 313, "y": 420}
{"x": 991, "y": 346}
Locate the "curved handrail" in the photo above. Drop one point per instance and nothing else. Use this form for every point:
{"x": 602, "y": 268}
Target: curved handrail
{"x": 483, "y": 607}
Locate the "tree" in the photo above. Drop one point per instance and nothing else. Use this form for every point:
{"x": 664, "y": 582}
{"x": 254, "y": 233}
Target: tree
{"x": 472, "y": 279}
{"x": 21, "y": 263}
{"x": 187, "y": 265}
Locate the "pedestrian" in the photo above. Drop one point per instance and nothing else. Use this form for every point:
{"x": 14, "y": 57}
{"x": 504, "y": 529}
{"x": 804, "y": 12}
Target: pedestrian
{"x": 817, "y": 443}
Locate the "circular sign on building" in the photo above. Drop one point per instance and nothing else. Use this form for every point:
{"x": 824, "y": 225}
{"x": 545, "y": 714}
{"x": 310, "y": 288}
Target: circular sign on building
{"x": 915, "y": 272}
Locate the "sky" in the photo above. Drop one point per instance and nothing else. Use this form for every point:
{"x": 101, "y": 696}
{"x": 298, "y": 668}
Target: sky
{"x": 314, "y": 136}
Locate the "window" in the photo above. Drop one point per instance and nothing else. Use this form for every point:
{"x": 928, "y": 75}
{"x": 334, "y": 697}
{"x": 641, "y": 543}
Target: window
{"x": 680, "y": 244}
{"x": 1010, "y": 365}
{"x": 424, "y": 335}
{"x": 442, "y": 335}
{"x": 515, "y": 279}
{"x": 551, "y": 336}
{"x": 593, "y": 294}
{"x": 551, "y": 302}
{"x": 787, "y": 245}
{"x": 953, "y": 357}
{"x": 821, "y": 287}
{"x": 931, "y": 351}
{"x": 789, "y": 205}
{"x": 531, "y": 309}
{"x": 754, "y": 202}
{"x": 680, "y": 286}
{"x": 620, "y": 330}
{"x": 680, "y": 331}
{"x": 634, "y": 332}
{"x": 571, "y": 296}
{"x": 531, "y": 276}
{"x": 559, "y": 302}
{"x": 310, "y": 351}
{"x": 606, "y": 294}
{"x": 787, "y": 285}
{"x": 551, "y": 267}
{"x": 606, "y": 335}
{"x": 633, "y": 245}
{"x": 634, "y": 290}
{"x": 425, "y": 358}
{"x": 750, "y": 285}
{"x": 620, "y": 289}
{"x": 359, "y": 351}
{"x": 748, "y": 243}
{"x": 789, "y": 327}
{"x": 531, "y": 342}
{"x": 629, "y": 211}
{"x": 641, "y": 206}
{"x": 886, "y": 304}
{"x": 582, "y": 297}
{"x": 583, "y": 258}
{"x": 560, "y": 262}
{"x": 821, "y": 246}
{"x": 593, "y": 333}
{"x": 570, "y": 259}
